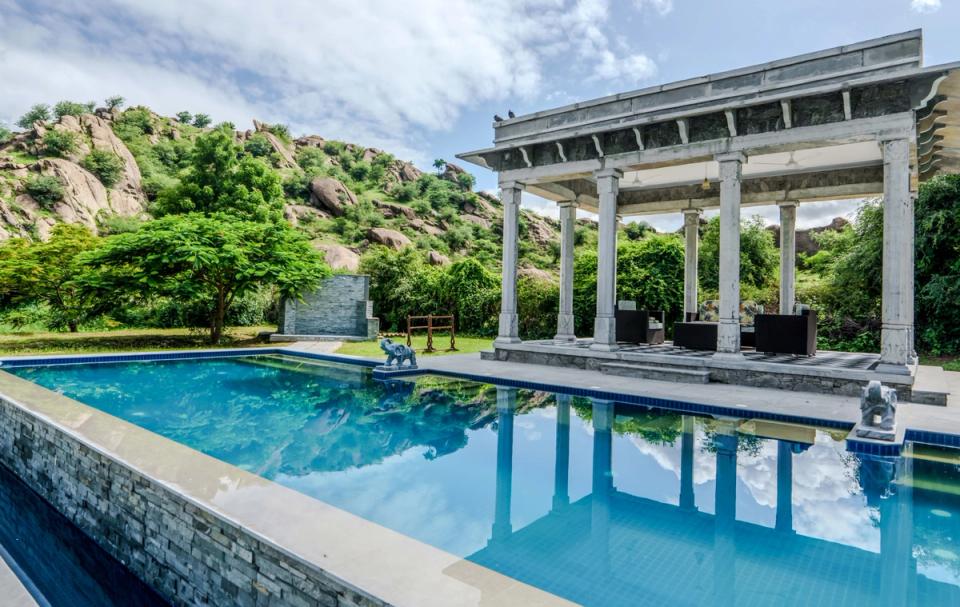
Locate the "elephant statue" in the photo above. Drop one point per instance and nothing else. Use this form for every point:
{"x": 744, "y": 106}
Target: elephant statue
{"x": 397, "y": 354}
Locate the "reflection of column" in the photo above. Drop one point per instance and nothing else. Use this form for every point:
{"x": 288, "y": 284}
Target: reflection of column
{"x": 568, "y": 218}
{"x": 561, "y": 470}
{"x": 898, "y": 568}
{"x": 687, "y": 500}
{"x": 725, "y": 508}
{"x": 506, "y": 405}
{"x": 784, "y": 486}
{"x": 603, "y": 412}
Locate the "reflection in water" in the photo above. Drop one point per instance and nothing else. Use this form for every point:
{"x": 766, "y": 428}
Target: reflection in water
{"x": 600, "y": 503}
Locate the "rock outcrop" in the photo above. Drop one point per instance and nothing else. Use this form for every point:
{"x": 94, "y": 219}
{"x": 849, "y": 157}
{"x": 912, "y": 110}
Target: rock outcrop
{"x": 126, "y": 196}
{"x": 340, "y": 257}
{"x": 388, "y": 238}
{"x": 83, "y": 194}
{"x": 331, "y": 195}
{"x": 436, "y": 258}
{"x": 285, "y": 158}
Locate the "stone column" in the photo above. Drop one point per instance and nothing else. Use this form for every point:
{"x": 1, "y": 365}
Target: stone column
{"x": 687, "y": 497}
{"x": 561, "y": 468}
{"x": 605, "y": 325}
{"x": 728, "y": 333}
{"x": 896, "y": 338}
{"x": 691, "y": 250}
{"x": 509, "y": 327}
{"x": 565, "y": 323}
{"x": 788, "y": 256}
{"x": 784, "y": 521}
{"x": 506, "y": 406}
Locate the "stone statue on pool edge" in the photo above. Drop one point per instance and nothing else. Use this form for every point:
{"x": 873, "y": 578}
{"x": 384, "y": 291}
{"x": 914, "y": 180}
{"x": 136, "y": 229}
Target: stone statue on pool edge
{"x": 878, "y": 408}
{"x": 397, "y": 354}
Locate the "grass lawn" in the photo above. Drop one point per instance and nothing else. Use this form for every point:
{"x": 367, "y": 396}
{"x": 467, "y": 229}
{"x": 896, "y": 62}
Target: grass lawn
{"x": 15, "y": 343}
{"x": 371, "y": 349}
{"x": 949, "y": 363}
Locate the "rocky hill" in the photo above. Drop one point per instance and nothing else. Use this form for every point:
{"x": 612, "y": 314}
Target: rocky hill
{"x": 346, "y": 197}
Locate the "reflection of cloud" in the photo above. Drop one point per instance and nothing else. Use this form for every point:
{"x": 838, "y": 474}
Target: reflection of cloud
{"x": 394, "y": 495}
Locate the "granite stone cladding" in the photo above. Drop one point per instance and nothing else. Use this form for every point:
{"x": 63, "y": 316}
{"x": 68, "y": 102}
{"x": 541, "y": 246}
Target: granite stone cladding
{"x": 189, "y": 554}
{"x": 341, "y": 306}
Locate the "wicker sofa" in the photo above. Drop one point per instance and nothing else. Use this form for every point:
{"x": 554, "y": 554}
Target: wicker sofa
{"x": 699, "y": 332}
{"x": 639, "y": 326}
{"x": 788, "y": 333}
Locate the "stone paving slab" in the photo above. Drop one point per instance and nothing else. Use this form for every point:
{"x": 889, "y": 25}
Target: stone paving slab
{"x": 12, "y": 591}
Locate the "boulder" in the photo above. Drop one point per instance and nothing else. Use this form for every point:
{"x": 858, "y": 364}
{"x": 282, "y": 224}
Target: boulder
{"x": 285, "y": 158}
{"x": 540, "y": 229}
{"x": 311, "y": 141}
{"x": 370, "y": 153}
{"x": 339, "y": 257}
{"x": 452, "y": 172}
{"x": 391, "y": 210}
{"x": 331, "y": 195}
{"x": 427, "y": 228}
{"x": 388, "y": 238}
{"x": 84, "y": 195}
{"x": 435, "y": 258}
{"x": 536, "y": 274}
{"x": 479, "y": 221}
{"x": 126, "y": 196}
{"x": 408, "y": 172}
{"x": 297, "y": 213}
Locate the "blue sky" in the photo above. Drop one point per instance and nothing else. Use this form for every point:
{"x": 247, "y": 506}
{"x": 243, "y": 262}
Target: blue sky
{"x": 419, "y": 78}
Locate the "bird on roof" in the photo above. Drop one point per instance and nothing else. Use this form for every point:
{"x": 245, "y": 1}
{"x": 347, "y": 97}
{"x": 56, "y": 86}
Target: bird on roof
{"x": 511, "y": 114}
{"x": 497, "y": 118}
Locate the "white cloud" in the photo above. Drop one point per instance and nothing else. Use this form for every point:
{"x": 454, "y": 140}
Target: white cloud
{"x": 377, "y": 72}
{"x": 661, "y": 6}
{"x": 925, "y": 6}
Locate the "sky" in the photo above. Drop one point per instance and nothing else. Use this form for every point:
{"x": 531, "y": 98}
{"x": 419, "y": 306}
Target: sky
{"x": 421, "y": 79}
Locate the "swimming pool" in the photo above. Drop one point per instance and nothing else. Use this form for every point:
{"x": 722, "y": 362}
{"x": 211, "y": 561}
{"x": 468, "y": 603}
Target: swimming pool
{"x": 600, "y": 503}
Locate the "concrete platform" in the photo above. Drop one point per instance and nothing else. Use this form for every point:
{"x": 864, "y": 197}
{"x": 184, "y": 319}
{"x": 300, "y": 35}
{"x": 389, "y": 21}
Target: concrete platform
{"x": 826, "y": 373}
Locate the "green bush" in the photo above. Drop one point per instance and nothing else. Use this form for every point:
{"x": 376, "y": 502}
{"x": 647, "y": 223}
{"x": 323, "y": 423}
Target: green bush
{"x": 60, "y": 143}
{"x": 258, "y": 146}
{"x": 184, "y": 117}
{"x": 201, "y": 120}
{"x": 134, "y": 122}
{"x": 39, "y": 112}
{"x": 114, "y": 102}
{"x": 759, "y": 258}
{"x": 111, "y": 223}
{"x": 281, "y": 131}
{"x": 72, "y": 108}
{"x": 106, "y": 165}
{"x": 538, "y": 304}
{"x": 334, "y": 148}
{"x": 45, "y": 189}
{"x": 5, "y": 134}
{"x": 938, "y": 265}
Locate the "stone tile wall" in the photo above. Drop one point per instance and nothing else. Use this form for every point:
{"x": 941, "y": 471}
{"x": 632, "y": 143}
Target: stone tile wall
{"x": 188, "y": 554}
{"x": 341, "y": 306}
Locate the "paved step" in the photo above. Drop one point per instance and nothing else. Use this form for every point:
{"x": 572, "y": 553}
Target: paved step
{"x": 657, "y": 372}
{"x": 930, "y": 386}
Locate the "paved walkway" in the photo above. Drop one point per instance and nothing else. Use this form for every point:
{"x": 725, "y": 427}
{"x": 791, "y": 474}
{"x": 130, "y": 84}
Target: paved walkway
{"x": 12, "y": 591}
{"x": 821, "y": 406}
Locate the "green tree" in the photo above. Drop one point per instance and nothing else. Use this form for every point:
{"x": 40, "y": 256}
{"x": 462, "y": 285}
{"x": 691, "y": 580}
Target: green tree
{"x": 60, "y": 143}
{"x": 401, "y": 284}
{"x": 649, "y": 271}
{"x": 115, "y": 102}
{"x": 184, "y": 117}
{"x": 938, "y": 265}
{"x": 636, "y": 230}
{"x": 221, "y": 178}
{"x": 258, "y": 146}
{"x": 45, "y": 189}
{"x": 211, "y": 259}
{"x": 72, "y": 108}
{"x": 106, "y": 165}
{"x": 759, "y": 258}
{"x": 39, "y": 112}
{"x": 201, "y": 120}
{"x": 5, "y": 134}
{"x": 466, "y": 181}
{"x": 471, "y": 293}
{"x": 45, "y": 272}
{"x": 440, "y": 164}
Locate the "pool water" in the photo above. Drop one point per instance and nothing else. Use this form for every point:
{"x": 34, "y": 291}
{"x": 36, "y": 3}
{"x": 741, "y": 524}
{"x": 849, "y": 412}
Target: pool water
{"x": 601, "y": 503}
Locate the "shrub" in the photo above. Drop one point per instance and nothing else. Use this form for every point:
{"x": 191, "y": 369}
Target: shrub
{"x": 466, "y": 181}
{"x": 39, "y": 112}
{"x": 184, "y": 117}
{"x": 359, "y": 171}
{"x": 5, "y": 134}
{"x": 114, "y": 102}
{"x": 258, "y": 146}
{"x": 72, "y": 108}
{"x": 406, "y": 193}
{"x": 60, "y": 143}
{"x": 111, "y": 223}
{"x": 45, "y": 189}
{"x": 282, "y": 131}
{"x": 334, "y": 148}
{"x": 759, "y": 258}
{"x": 201, "y": 120}
{"x": 134, "y": 122}
{"x": 107, "y": 166}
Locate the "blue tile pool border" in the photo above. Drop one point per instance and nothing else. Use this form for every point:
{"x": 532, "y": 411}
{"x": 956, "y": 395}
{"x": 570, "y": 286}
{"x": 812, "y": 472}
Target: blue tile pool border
{"x": 856, "y": 446}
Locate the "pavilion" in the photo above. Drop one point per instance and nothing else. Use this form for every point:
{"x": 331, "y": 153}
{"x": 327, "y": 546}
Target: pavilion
{"x": 855, "y": 121}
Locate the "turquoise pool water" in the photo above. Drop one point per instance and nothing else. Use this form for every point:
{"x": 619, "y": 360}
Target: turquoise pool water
{"x": 603, "y": 504}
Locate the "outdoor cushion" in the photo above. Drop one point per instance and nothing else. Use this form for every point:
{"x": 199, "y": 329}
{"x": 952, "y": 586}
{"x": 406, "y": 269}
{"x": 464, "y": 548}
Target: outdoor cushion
{"x": 655, "y": 324}
{"x": 626, "y": 305}
{"x": 710, "y": 311}
{"x": 748, "y": 310}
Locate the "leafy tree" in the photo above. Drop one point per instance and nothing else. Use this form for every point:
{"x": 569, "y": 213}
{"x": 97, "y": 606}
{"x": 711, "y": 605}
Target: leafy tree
{"x": 184, "y": 117}
{"x": 401, "y": 284}
{"x": 471, "y": 293}
{"x": 201, "y": 120}
{"x": 649, "y": 271}
{"x": 221, "y": 178}
{"x": 210, "y": 259}
{"x": 115, "y": 102}
{"x": 636, "y": 230}
{"x": 282, "y": 131}
{"x": 5, "y": 134}
{"x": 60, "y": 143}
{"x": 466, "y": 181}
{"x": 134, "y": 122}
{"x": 39, "y": 112}
{"x": 938, "y": 265}
{"x": 45, "y": 272}
{"x": 258, "y": 146}
{"x": 106, "y": 165}
{"x": 45, "y": 189}
{"x": 440, "y": 164}
{"x": 72, "y": 108}
{"x": 759, "y": 258}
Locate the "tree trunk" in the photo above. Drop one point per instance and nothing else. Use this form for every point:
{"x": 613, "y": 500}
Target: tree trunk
{"x": 72, "y": 325}
{"x": 216, "y": 329}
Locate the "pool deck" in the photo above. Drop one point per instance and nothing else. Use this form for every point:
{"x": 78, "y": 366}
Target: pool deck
{"x": 12, "y": 591}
